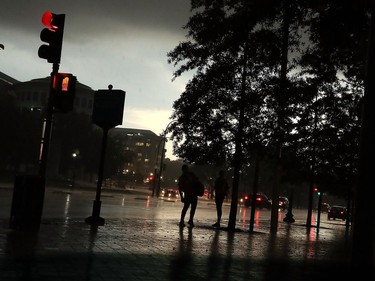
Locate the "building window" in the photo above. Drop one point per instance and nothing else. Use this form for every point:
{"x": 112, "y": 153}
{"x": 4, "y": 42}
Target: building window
{"x": 139, "y": 144}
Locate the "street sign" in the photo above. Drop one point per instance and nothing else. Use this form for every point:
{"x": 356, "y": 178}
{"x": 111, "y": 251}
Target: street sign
{"x": 108, "y": 108}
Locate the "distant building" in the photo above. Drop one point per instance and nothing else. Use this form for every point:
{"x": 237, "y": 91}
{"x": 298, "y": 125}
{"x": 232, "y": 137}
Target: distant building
{"x": 144, "y": 145}
{"x": 5, "y": 82}
{"x": 33, "y": 94}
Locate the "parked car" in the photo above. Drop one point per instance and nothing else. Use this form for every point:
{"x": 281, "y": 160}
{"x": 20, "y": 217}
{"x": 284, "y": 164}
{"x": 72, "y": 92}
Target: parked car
{"x": 170, "y": 194}
{"x": 337, "y": 212}
{"x": 261, "y": 200}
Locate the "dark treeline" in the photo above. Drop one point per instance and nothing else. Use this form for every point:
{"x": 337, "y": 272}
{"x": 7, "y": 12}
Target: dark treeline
{"x": 273, "y": 77}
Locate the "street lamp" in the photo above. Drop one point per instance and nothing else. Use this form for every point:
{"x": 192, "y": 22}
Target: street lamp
{"x": 158, "y": 175}
{"x": 74, "y": 155}
{"x": 161, "y": 165}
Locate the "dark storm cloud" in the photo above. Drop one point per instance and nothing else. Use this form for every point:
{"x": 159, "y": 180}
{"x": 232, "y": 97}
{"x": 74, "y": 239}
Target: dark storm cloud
{"x": 90, "y": 17}
{"x": 118, "y": 42}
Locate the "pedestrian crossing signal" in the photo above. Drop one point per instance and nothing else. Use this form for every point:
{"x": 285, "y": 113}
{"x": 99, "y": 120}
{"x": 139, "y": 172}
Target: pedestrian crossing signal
{"x": 63, "y": 91}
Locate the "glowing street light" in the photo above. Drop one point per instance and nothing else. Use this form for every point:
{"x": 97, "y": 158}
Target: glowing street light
{"x": 74, "y": 155}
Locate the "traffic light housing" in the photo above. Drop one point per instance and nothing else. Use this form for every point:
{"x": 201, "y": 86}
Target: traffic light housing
{"x": 53, "y": 35}
{"x": 63, "y": 91}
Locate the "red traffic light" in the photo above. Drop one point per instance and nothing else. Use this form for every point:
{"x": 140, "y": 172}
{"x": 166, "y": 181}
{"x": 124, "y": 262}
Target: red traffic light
{"x": 63, "y": 91}
{"x": 47, "y": 19}
{"x": 53, "y": 35}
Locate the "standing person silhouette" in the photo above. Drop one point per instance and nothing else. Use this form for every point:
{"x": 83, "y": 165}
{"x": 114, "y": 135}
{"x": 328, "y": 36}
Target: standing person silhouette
{"x": 221, "y": 188}
{"x": 187, "y": 194}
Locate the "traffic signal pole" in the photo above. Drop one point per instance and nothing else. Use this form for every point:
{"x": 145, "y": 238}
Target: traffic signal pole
{"x": 62, "y": 85}
{"x": 52, "y": 34}
{"x": 47, "y": 128}
{"x": 44, "y": 147}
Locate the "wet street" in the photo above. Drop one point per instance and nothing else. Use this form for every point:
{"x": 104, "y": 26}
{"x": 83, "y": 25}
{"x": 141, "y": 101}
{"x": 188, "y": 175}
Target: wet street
{"x": 78, "y": 203}
{"x": 141, "y": 240}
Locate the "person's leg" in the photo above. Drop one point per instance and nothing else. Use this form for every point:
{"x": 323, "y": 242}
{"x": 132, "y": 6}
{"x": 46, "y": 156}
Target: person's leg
{"x": 183, "y": 212}
{"x": 194, "y": 202}
{"x": 219, "y": 203}
{"x": 219, "y": 208}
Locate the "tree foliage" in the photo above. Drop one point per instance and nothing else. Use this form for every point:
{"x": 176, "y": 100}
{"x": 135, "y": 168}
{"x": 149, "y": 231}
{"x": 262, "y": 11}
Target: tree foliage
{"x": 234, "y": 50}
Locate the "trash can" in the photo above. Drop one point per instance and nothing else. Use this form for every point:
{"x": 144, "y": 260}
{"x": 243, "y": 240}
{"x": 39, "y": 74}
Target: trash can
{"x": 27, "y": 202}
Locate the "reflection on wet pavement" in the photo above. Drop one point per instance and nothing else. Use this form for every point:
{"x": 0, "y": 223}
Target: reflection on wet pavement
{"x": 142, "y": 241}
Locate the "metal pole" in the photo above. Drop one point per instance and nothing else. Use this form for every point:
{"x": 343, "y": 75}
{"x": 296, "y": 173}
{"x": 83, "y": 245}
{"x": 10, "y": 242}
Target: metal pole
{"x": 74, "y": 169}
{"x": 156, "y": 170}
{"x": 161, "y": 167}
{"x": 47, "y": 128}
{"x": 255, "y": 191}
{"x": 95, "y": 219}
{"x": 162, "y": 157}
{"x": 45, "y": 141}
{"x": 320, "y": 195}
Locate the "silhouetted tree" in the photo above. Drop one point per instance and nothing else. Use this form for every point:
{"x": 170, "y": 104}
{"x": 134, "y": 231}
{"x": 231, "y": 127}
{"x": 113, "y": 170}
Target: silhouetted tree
{"x": 232, "y": 100}
{"x": 235, "y": 102}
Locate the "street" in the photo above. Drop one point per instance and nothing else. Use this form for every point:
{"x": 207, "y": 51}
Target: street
{"x": 141, "y": 240}
{"x": 117, "y": 204}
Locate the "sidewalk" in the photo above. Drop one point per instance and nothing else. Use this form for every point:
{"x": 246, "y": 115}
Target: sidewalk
{"x": 157, "y": 249}
{"x": 131, "y": 249}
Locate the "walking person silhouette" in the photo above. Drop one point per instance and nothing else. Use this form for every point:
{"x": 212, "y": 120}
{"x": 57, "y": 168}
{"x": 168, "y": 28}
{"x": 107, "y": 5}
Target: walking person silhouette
{"x": 188, "y": 195}
{"x": 221, "y": 188}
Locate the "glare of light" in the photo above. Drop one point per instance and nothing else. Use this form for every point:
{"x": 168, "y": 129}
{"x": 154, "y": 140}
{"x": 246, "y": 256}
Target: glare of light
{"x": 67, "y": 205}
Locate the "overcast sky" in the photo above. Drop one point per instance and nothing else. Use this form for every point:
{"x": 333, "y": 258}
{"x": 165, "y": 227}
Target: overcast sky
{"x": 118, "y": 42}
